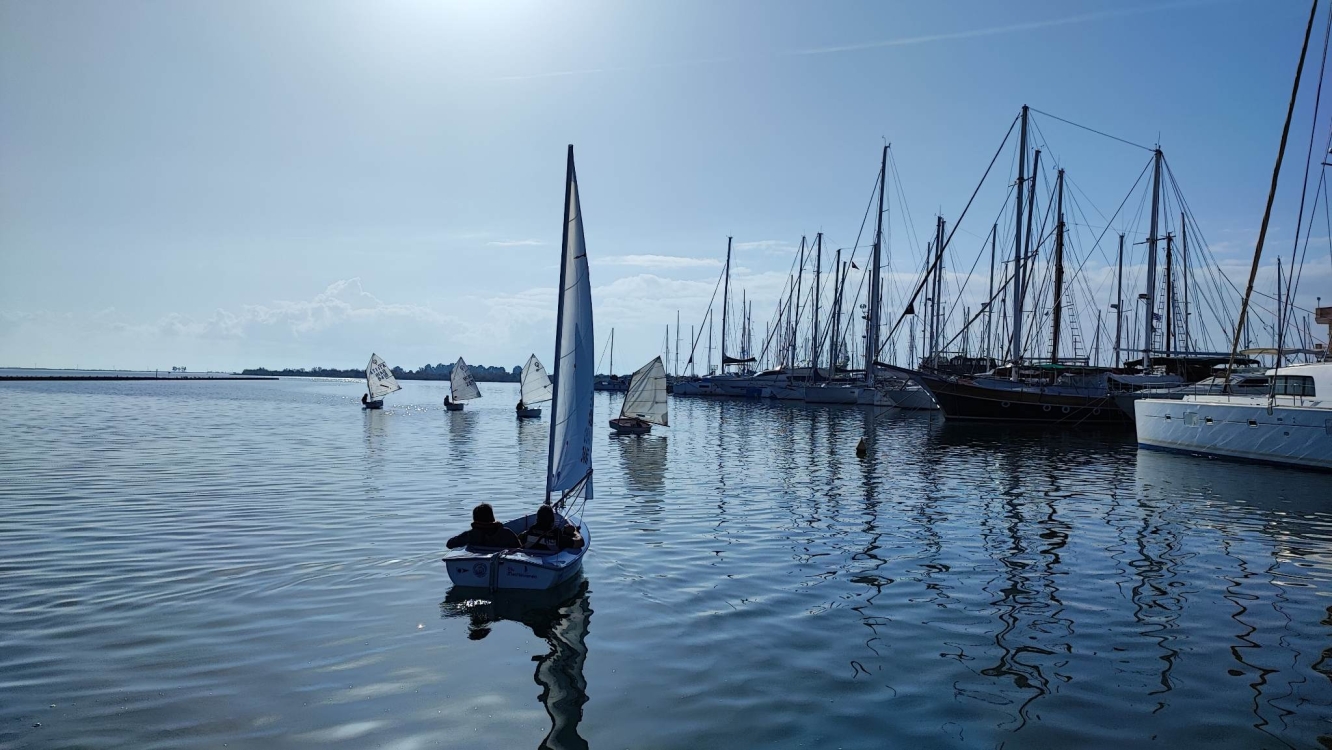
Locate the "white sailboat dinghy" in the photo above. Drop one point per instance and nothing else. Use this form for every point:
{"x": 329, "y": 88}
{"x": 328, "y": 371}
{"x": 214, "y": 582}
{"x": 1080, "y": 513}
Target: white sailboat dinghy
{"x": 463, "y": 386}
{"x": 569, "y": 455}
{"x": 534, "y": 388}
{"x": 645, "y": 402}
{"x": 379, "y": 382}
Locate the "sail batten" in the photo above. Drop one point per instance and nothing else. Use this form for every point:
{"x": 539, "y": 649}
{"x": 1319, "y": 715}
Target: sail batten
{"x": 646, "y": 399}
{"x": 535, "y": 383}
{"x": 570, "y": 456}
{"x": 462, "y": 382}
{"x": 379, "y": 380}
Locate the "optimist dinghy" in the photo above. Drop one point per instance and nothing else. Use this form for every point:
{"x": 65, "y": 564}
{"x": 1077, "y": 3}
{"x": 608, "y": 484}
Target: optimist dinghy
{"x": 462, "y": 386}
{"x": 645, "y": 402}
{"x": 379, "y": 382}
{"x": 569, "y": 455}
{"x": 535, "y": 388}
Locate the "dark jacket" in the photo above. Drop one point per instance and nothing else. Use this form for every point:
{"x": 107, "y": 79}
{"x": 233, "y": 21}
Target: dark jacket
{"x": 486, "y": 535}
{"x": 566, "y": 537}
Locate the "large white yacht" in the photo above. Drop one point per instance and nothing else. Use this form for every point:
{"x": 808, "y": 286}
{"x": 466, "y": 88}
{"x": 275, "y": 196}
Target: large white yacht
{"x": 1292, "y": 425}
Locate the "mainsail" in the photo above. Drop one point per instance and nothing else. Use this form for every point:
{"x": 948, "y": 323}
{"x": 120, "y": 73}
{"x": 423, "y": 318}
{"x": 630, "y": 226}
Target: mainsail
{"x": 646, "y": 398}
{"x": 535, "y": 382}
{"x": 464, "y": 387}
{"x": 379, "y": 380}
{"x": 570, "y": 456}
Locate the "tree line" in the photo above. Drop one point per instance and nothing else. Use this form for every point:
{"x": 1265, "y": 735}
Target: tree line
{"x": 441, "y": 371}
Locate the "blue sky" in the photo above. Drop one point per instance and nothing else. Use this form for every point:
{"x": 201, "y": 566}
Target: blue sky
{"x": 225, "y": 185}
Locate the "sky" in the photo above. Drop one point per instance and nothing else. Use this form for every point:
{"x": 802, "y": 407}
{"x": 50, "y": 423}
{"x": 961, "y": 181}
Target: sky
{"x": 300, "y": 183}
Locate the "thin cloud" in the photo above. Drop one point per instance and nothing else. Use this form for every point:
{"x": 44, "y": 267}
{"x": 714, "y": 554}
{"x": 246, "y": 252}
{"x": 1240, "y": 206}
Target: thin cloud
{"x": 515, "y": 243}
{"x": 658, "y": 261}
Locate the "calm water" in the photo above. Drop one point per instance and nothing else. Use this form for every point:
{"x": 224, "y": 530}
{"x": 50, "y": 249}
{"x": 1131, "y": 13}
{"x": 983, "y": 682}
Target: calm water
{"x": 256, "y": 565}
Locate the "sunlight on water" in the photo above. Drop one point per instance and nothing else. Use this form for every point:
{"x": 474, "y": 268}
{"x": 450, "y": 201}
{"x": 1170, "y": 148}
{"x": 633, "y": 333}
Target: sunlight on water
{"x": 257, "y": 564}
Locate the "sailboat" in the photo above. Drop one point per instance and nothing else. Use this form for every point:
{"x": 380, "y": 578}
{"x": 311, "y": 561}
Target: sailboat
{"x": 463, "y": 386}
{"x": 379, "y": 382}
{"x": 569, "y": 455}
{"x": 645, "y": 402}
{"x": 534, "y": 388}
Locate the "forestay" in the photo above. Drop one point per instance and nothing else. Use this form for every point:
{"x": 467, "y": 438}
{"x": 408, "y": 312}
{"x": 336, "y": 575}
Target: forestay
{"x": 536, "y": 385}
{"x": 646, "y": 398}
{"x": 464, "y": 387}
{"x": 379, "y": 380}
{"x": 570, "y": 460}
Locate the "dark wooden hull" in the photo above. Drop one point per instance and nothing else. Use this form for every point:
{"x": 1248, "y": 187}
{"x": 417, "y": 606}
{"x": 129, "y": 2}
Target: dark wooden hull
{"x": 630, "y": 426}
{"x": 963, "y": 400}
{"x": 373, "y": 404}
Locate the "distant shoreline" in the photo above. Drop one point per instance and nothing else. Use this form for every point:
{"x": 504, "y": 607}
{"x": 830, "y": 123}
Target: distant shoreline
{"x": 8, "y": 378}
{"x": 480, "y": 374}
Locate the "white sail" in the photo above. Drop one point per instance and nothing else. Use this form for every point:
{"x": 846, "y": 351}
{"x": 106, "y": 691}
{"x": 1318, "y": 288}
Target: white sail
{"x": 464, "y": 387}
{"x": 379, "y": 380}
{"x": 571, "y": 422}
{"x": 536, "y": 385}
{"x": 646, "y": 398}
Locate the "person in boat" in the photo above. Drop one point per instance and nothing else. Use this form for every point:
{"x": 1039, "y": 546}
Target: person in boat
{"x": 544, "y": 535}
{"x": 365, "y": 399}
{"x": 446, "y": 403}
{"x": 521, "y": 406}
{"x": 486, "y": 532}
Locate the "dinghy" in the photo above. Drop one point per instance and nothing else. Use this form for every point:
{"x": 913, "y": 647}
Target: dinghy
{"x": 463, "y": 386}
{"x": 645, "y": 402}
{"x": 379, "y": 382}
{"x": 569, "y": 452}
{"x": 534, "y": 388}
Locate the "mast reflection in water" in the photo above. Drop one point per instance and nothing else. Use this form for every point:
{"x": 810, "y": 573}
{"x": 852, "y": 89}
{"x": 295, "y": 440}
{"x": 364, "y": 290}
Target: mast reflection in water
{"x": 558, "y": 616}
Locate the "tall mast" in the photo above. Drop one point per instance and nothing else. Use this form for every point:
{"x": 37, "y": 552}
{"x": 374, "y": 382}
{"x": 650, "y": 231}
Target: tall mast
{"x": 872, "y": 321}
{"x": 1119, "y": 299}
{"x": 1184, "y": 273}
{"x": 1170, "y": 296}
{"x": 709, "y": 371}
{"x": 936, "y": 315}
{"x": 989, "y": 299}
{"x": 559, "y": 316}
{"x": 612, "y": 353}
{"x": 1151, "y": 263}
{"x": 814, "y": 335}
{"x": 1016, "y": 347}
{"x": 677, "y": 342}
{"x": 726, "y": 294}
{"x": 795, "y": 321}
{"x": 693, "y": 368}
{"x": 744, "y": 327}
{"x": 1056, "y": 314}
{"x": 838, "y": 275}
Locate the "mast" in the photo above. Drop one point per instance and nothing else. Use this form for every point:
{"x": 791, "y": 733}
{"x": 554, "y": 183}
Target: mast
{"x": 1119, "y": 299}
{"x": 744, "y": 327}
{"x": 989, "y": 299}
{"x": 1016, "y": 347}
{"x": 1184, "y": 273}
{"x": 709, "y": 342}
{"x": 677, "y": 342}
{"x": 612, "y": 353}
{"x": 1151, "y": 263}
{"x": 872, "y": 321}
{"x": 1056, "y": 314}
{"x": 1271, "y": 195}
{"x": 799, "y": 288}
{"x": 726, "y": 293}
{"x": 936, "y": 316}
{"x": 838, "y": 275}
{"x": 814, "y": 336}
{"x": 693, "y": 368}
{"x": 559, "y": 320}
{"x": 1170, "y": 296}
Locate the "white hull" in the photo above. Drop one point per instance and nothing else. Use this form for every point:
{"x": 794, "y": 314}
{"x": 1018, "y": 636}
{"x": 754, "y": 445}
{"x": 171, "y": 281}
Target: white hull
{"x": 918, "y": 399}
{"x": 1238, "y": 427}
{"x": 517, "y": 569}
{"x": 784, "y": 393}
{"x": 831, "y": 394}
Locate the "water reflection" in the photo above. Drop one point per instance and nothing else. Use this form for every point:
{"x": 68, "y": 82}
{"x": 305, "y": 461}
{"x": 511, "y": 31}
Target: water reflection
{"x": 642, "y": 460}
{"x": 561, "y": 617}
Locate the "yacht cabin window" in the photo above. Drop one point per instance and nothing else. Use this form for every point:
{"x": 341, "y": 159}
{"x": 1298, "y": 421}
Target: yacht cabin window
{"x": 1294, "y": 385}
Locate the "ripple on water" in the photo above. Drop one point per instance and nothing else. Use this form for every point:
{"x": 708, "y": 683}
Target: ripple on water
{"x": 256, "y": 564}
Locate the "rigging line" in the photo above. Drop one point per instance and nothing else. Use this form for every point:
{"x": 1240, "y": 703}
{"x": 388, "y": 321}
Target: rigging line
{"x": 1094, "y": 130}
{"x": 962, "y": 216}
{"x": 706, "y": 317}
{"x": 1304, "y": 185}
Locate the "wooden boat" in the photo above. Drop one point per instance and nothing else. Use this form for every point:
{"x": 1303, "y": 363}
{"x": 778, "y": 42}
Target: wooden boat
{"x": 569, "y": 452}
{"x": 379, "y": 382}
{"x": 645, "y": 401}
{"x": 534, "y": 388}
{"x": 463, "y": 386}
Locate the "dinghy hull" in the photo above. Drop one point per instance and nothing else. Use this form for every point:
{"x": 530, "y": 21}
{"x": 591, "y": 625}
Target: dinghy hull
{"x": 630, "y": 426}
{"x": 373, "y": 404}
{"x": 453, "y": 407}
{"x": 528, "y": 413}
{"x": 497, "y": 570}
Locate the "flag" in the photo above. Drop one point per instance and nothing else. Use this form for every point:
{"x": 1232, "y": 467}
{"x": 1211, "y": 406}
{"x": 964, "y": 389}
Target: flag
{"x": 853, "y": 265}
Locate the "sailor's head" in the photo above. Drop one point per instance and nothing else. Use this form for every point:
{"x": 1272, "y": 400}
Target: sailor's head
{"x": 483, "y": 513}
{"x": 545, "y": 516}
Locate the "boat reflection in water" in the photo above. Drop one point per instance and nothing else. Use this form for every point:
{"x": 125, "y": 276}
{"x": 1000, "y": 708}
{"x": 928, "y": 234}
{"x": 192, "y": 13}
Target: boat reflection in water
{"x": 643, "y": 458}
{"x": 560, "y": 616}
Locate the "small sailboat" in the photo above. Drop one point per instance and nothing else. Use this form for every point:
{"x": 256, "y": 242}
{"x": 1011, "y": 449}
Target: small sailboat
{"x": 645, "y": 402}
{"x": 569, "y": 453}
{"x": 534, "y": 388}
{"x": 379, "y": 382}
{"x": 463, "y": 386}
